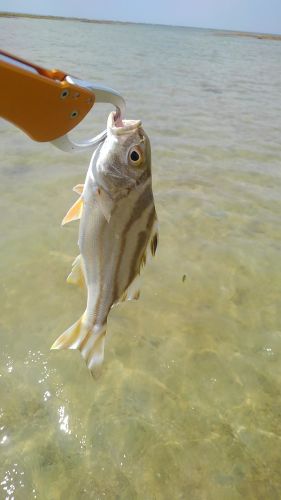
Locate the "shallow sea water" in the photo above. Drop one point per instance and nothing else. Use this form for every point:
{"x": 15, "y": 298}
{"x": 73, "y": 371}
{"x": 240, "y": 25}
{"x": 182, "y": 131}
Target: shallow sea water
{"x": 189, "y": 402}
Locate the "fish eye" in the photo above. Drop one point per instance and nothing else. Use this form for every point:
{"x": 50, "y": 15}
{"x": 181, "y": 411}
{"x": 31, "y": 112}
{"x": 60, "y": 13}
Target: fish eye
{"x": 135, "y": 156}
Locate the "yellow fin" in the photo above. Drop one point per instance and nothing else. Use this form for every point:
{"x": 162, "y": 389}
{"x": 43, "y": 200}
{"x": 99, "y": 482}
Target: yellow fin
{"x": 78, "y": 188}
{"x": 74, "y": 213}
{"x": 70, "y": 339}
{"x": 76, "y": 275}
{"x": 88, "y": 340}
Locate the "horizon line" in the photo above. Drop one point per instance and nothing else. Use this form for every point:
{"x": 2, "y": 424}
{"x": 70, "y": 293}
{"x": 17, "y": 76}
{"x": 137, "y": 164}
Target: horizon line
{"x": 110, "y": 21}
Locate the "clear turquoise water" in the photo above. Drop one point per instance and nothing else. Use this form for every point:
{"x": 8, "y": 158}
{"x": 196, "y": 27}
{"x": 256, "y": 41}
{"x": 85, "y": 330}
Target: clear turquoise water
{"x": 189, "y": 402}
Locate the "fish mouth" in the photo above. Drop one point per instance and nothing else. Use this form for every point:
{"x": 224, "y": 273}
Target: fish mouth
{"x": 120, "y": 127}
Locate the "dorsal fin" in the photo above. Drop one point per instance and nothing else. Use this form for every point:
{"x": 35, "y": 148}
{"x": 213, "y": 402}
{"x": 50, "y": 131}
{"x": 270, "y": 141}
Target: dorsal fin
{"x": 151, "y": 247}
{"x": 153, "y": 241}
{"x": 132, "y": 292}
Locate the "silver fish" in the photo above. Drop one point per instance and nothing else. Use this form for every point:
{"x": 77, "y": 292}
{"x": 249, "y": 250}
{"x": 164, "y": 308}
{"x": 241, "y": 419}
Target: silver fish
{"x": 118, "y": 229}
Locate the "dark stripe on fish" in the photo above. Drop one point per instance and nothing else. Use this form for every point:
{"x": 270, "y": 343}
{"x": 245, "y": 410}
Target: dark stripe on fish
{"x": 143, "y": 238}
{"x": 144, "y": 200}
{"x": 101, "y": 268}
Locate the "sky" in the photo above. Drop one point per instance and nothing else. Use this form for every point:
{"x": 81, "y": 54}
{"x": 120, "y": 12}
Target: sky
{"x": 245, "y": 15}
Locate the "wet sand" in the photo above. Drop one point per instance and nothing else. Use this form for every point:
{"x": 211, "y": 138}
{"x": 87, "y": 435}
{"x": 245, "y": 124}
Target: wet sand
{"x": 259, "y": 36}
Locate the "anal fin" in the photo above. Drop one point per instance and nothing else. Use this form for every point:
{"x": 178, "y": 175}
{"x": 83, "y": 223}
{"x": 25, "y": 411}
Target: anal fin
{"x": 76, "y": 275}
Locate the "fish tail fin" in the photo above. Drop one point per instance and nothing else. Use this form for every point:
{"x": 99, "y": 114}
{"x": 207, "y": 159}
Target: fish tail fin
{"x": 88, "y": 340}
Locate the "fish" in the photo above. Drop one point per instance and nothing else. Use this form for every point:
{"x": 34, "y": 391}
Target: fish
{"x": 118, "y": 231}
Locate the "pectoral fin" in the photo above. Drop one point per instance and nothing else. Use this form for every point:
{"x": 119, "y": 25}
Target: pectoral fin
{"x": 78, "y": 188}
{"x": 105, "y": 203}
{"x": 74, "y": 213}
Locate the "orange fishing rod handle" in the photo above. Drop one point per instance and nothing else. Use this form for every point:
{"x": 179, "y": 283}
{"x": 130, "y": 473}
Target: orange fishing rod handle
{"x": 42, "y": 104}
